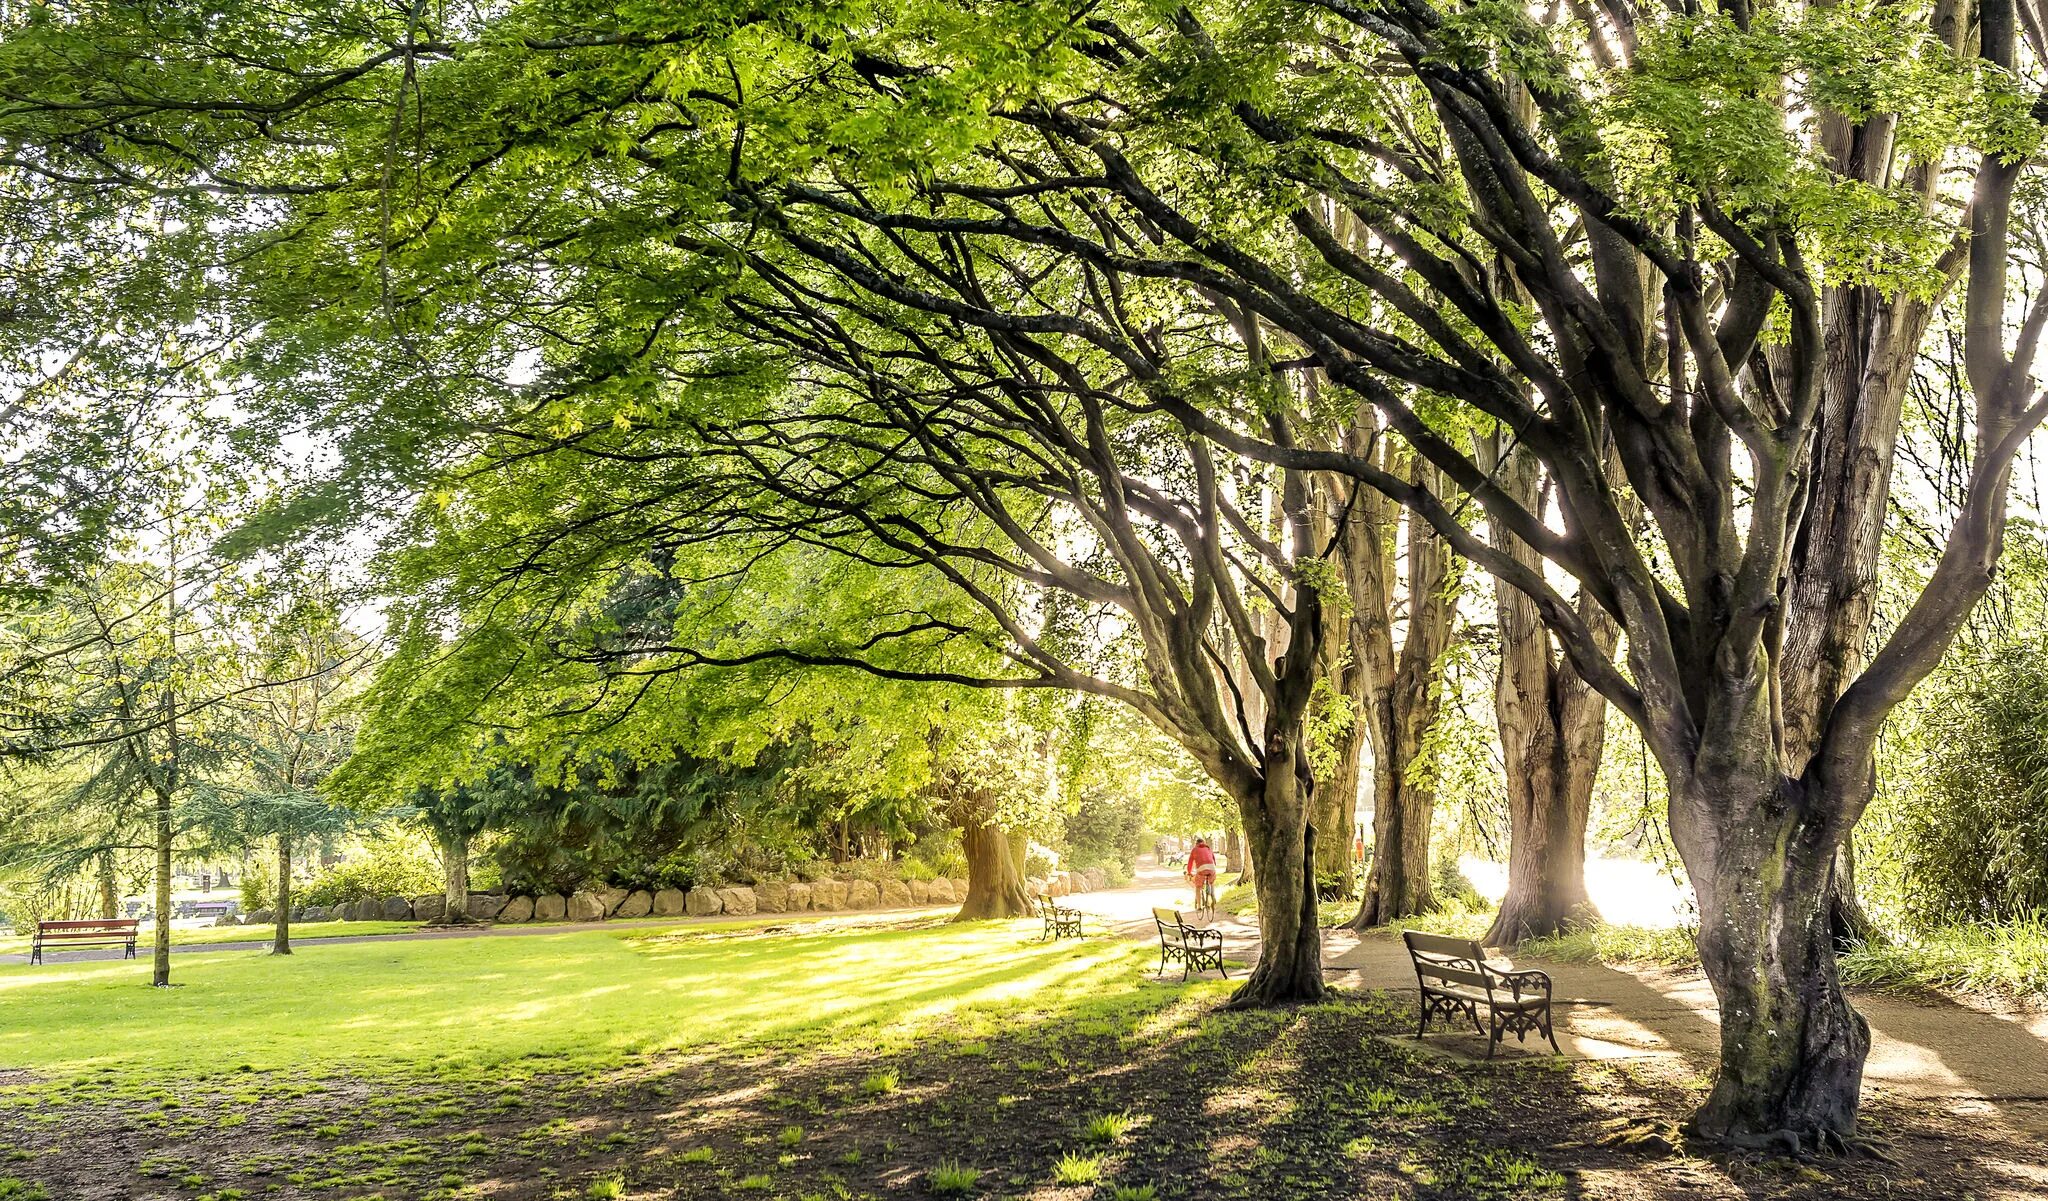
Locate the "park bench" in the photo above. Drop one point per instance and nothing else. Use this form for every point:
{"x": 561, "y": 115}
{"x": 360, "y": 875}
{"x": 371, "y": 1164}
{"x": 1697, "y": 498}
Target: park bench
{"x": 1059, "y": 920}
{"x": 89, "y": 932}
{"x": 1456, "y": 978}
{"x": 1195, "y": 948}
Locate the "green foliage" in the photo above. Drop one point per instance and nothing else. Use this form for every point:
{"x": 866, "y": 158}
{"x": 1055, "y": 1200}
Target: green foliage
{"x": 1105, "y": 1128}
{"x": 390, "y": 866}
{"x": 2007, "y": 960}
{"x": 1664, "y": 946}
{"x": 1104, "y": 829}
{"x": 1960, "y": 835}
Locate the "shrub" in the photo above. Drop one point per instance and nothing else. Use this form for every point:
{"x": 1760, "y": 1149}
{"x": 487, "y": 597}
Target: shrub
{"x": 877, "y": 1083}
{"x": 607, "y": 1188}
{"x": 1104, "y": 828}
{"x": 397, "y": 867}
{"x": 1134, "y": 1192}
{"x": 1106, "y": 1128}
{"x": 2008, "y": 959}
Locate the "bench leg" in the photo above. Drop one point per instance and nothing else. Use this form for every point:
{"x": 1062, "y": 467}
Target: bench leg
{"x": 1493, "y": 1041}
{"x": 1547, "y": 1032}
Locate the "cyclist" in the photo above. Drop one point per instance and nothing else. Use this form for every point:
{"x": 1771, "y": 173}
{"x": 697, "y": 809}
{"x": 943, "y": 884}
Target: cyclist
{"x": 1201, "y": 873}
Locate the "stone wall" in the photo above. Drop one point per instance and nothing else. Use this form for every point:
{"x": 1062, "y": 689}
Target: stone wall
{"x": 599, "y": 904}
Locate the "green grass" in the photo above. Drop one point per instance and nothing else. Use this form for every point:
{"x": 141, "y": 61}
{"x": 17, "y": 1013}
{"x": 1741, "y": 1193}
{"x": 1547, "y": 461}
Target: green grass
{"x": 952, "y": 1178}
{"x": 576, "y": 997}
{"x": 1106, "y": 1128}
{"x": 208, "y": 935}
{"x": 1664, "y": 947}
{"x": 1075, "y": 1168}
{"x": 2005, "y": 960}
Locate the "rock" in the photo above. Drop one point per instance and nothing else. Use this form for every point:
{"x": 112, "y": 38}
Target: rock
{"x": 638, "y": 903}
{"x": 800, "y": 898}
{"x": 703, "y": 902}
{"x": 862, "y": 895}
{"x": 771, "y": 896}
{"x": 942, "y": 893}
{"x": 959, "y": 887}
{"x": 895, "y": 894}
{"x": 483, "y": 906}
{"x": 311, "y": 913}
{"x": 550, "y": 907}
{"x": 517, "y": 909}
{"x": 227, "y": 919}
{"x": 262, "y": 917}
{"x": 396, "y": 909}
{"x": 668, "y": 902}
{"x": 828, "y": 894}
{"x": 430, "y": 908}
{"x": 298, "y": 915}
{"x": 585, "y": 907}
{"x": 612, "y": 898}
{"x": 920, "y": 891}
{"x": 1035, "y": 886}
{"x": 739, "y": 901}
{"x": 1098, "y": 878}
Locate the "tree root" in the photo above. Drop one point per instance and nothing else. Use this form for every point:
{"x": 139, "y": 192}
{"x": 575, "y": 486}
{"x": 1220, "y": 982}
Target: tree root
{"x": 1815, "y": 1145}
{"x": 1659, "y": 1139}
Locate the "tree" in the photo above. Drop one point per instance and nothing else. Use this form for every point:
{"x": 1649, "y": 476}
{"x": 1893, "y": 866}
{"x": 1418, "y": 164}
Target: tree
{"x": 284, "y": 732}
{"x": 1553, "y": 728}
{"x": 938, "y": 223}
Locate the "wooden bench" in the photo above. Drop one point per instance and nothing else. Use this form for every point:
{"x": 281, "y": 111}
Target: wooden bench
{"x": 1059, "y": 920}
{"x": 1456, "y": 978}
{"x": 1195, "y": 948}
{"x": 90, "y": 932}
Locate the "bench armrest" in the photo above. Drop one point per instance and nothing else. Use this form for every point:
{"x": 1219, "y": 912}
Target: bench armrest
{"x": 1201, "y": 934}
{"x": 1520, "y": 981}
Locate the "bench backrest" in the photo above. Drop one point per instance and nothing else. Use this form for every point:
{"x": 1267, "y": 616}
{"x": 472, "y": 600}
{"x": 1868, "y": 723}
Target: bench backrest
{"x": 1169, "y": 921}
{"x": 88, "y": 926}
{"x": 1447, "y": 960}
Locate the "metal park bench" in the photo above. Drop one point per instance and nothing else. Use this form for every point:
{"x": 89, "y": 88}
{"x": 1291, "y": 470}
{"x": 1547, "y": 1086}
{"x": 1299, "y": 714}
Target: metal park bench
{"x": 1195, "y": 948}
{"x": 1059, "y": 920}
{"x": 1456, "y": 979}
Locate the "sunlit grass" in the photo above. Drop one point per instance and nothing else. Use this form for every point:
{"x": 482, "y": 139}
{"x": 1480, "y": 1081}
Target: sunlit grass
{"x": 581, "y": 996}
{"x": 208, "y": 935}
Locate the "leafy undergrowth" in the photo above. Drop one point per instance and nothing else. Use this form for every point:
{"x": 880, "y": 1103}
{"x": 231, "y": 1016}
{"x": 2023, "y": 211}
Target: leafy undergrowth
{"x": 2008, "y": 961}
{"x": 941, "y": 1062}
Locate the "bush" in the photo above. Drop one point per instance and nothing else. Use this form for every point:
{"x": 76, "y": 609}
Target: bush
{"x": 396, "y": 867}
{"x": 2007, "y": 960}
{"x": 1103, "y": 829}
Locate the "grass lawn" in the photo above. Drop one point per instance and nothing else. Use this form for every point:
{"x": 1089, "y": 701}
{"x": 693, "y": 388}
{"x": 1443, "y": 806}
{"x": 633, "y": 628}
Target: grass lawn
{"x": 851, "y": 1061}
{"x": 203, "y": 935}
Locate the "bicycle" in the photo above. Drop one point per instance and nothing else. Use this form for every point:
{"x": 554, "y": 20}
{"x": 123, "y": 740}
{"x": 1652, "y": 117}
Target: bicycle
{"x": 1205, "y": 897}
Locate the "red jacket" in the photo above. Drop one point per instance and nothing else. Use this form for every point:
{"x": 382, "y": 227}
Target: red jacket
{"x": 1201, "y": 857}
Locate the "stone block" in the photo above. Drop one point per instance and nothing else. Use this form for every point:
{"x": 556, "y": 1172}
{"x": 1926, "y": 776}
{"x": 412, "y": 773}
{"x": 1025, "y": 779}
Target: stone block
{"x": 669, "y": 903}
{"x": 638, "y": 903}
{"x": 517, "y": 909}
{"x": 703, "y": 902}
{"x": 550, "y": 907}
{"x": 738, "y": 901}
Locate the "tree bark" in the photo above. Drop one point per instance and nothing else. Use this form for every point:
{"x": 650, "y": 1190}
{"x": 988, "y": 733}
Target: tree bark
{"x": 455, "y": 876}
{"x": 160, "y": 951}
{"x": 110, "y": 895}
{"x": 281, "y": 940}
{"x": 1552, "y": 731}
{"x": 1792, "y": 1047}
{"x": 1282, "y": 842}
{"x": 995, "y": 872}
{"x": 1401, "y": 692}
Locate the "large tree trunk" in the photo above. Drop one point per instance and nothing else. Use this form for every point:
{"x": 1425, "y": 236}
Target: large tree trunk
{"x": 455, "y": 877}
{"x": 1337, "y": 813}
{"x": 995, "y": 872}
{"x": 281, "y": 940}
{"x": 1282, "y": 842}
{"x": 1552, "y": 732}
{"x": 1792, "y": 1048}
{"x": 160, "y": 951}
{"x": 1401, "y": 692}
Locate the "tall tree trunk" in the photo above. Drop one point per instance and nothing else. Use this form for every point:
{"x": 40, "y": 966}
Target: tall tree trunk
{"x": 1401, "y": 691}
{"x": 1792, "y": 1048}
{"x": 455, "y": 876}
{"x": 1337, "y": 812}
{"x": 995, "y": 872}
{"x": 160, "y": 951}
{"x": 1282, "y": 842}
{"x": 281, "y": 940}
{"x": 110, "y": 893}
{"x": 1552, "y": 732}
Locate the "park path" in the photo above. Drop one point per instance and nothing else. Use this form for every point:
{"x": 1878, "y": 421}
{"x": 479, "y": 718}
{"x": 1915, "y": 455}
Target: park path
{"x": 1934, "y": 1050}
